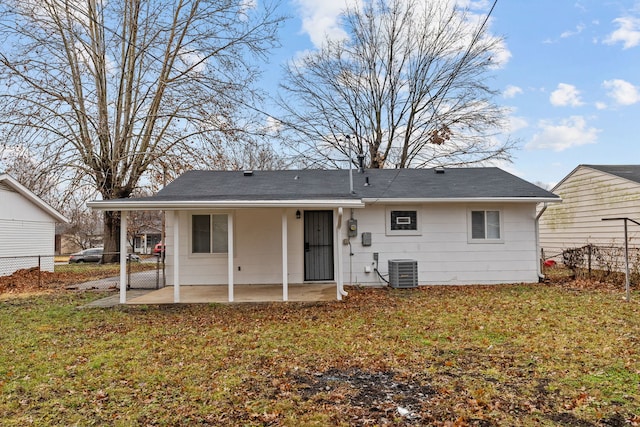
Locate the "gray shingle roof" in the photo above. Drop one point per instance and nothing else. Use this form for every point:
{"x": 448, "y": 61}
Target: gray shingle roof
{"x": 454, "y": 183}
{"x": 630, "y": 172}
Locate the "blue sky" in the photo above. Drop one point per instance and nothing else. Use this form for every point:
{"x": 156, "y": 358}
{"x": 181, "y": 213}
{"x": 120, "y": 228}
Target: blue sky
{"x": 569, "y": 75}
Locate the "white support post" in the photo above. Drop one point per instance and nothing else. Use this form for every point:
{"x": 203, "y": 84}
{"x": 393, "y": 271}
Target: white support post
{"x": 285, "y": 265}
{"x": 176, "y": 256}
{"x": 123, "y": 257}
{"x": 338, "y": 258}
{"x": 230, "y": 254}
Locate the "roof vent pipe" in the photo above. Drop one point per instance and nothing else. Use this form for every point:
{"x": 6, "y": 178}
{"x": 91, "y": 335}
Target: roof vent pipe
{"x": 360, "y": 163}
{"x": 248, "y": 173}
{"x": 439, "y": 169}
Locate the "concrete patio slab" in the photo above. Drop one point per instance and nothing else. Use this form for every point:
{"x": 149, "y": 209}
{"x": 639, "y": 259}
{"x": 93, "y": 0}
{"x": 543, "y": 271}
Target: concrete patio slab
{"x": 114, "y": 299}
{"x": 242, "y": 293}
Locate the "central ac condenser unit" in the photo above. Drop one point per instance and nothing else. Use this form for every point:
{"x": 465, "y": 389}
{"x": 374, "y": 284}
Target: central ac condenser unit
{"x": 403, "y": 273}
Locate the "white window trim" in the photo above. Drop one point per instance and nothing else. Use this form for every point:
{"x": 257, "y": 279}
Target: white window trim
{"x": 470, "y": 239}
{"x": 387, "y": 221}
{"x": 190, "y": 243}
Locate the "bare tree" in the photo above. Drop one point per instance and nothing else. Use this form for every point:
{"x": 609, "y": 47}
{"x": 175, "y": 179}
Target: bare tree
{"x": 408, "y": 87}
{"x": 17, "y": 162}
{"x": 85, "y": 227}
{"x": 111, "y": 89}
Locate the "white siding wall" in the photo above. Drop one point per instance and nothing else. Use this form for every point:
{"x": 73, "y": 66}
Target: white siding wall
{"x": 257, "y": 250}
{"x": 443, "y": 251}
{"x": 25, "y": 230}
{"x": 588, "y": 195}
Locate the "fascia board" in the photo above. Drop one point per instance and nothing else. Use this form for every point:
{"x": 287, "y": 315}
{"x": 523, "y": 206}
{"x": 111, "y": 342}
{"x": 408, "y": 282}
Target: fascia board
{"x": 125, "y": 205}
{"x": 464, "y": 200}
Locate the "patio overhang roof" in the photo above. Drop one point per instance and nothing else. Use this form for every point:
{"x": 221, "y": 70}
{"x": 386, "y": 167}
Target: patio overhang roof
{"x": 172, "y": 205}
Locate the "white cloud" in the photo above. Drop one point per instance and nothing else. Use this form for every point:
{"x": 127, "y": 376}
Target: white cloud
{"x": 582, "y": 8}
{"x": 601, "y": 105}
{"x": 246, "y": 6}
{"x": 479, "y": 4}
{"x": 516, "y": 123}
{"x": 571, "y": 132}
{"x": 628, "y": 32}
{"x": 565, "y": 95}
{"x": 320, "y": 19}
{"x": 571, "y": 33}
{"x": 500, "y": 55}
{"x": 622, "y": 92}
{"x": 272, "y": 126}
{"x": 511, "y": 91}
{"x": 191, "y": 60}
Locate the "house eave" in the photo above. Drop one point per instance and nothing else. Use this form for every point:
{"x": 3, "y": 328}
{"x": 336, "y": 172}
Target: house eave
{"x": 133, "y": 205}
{"x": 30, "y": 196}
{"x": 463, "y": 200}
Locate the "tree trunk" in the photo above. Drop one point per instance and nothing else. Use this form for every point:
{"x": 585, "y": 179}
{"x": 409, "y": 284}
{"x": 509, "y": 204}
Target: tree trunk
{"x": 111, "y": 237}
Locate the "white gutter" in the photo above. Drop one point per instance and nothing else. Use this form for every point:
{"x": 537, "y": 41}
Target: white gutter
{"x": 537, "y": 229}
{"x": 464, "y": 200}
{"x": 131, "y": 205}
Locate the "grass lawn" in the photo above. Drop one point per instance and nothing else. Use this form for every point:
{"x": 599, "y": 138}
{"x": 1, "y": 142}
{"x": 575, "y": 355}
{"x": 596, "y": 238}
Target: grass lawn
{"x": 518, "y": 355}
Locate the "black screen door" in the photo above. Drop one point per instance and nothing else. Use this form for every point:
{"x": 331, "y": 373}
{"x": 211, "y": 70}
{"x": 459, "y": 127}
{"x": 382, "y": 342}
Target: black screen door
{"x": 318, "y": 245}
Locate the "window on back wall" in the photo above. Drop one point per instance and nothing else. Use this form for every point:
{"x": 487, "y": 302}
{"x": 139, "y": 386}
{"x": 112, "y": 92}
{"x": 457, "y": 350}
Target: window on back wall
{"x": 402, "y": 221}
{"x": 485, "y": 226}
{"x": 209, "y": 234}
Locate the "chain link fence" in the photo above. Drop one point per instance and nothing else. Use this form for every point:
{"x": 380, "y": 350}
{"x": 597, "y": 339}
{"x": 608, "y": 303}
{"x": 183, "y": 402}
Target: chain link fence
{"x": 142, "y": 272}
{"x": 598, "y": 262}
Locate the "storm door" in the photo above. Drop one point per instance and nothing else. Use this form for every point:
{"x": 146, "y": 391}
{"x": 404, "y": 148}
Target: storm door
{"x": 318, "y": 245}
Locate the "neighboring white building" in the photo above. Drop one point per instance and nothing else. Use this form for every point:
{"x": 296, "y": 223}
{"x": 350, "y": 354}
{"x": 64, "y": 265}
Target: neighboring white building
{"x": 589, "y": 194}
{"x": 461, "y": 226}
{"x": 27, "y": 228}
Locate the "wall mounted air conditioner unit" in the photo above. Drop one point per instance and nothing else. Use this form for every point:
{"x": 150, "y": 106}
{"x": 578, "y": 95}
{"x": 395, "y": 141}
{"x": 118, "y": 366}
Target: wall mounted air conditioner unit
{"x": 403, "y": 273}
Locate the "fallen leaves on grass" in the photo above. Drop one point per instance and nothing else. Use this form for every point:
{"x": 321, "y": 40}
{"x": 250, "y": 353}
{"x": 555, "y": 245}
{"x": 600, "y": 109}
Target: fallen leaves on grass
{"x": 31, "y": 280}
{"x": 522, "y": 355}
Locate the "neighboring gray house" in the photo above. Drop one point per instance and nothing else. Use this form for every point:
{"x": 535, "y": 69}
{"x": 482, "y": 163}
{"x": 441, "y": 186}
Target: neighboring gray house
{"x": 27, "y": 228}
{"x": 590, "y": 193}
{"x": 462, "y": 225}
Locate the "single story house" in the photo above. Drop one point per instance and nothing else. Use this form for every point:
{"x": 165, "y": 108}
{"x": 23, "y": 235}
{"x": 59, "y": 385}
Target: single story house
{"x": 589, "y": 194}
{"x": 27, "y": 228}
{"x": 145, "y": 239}
{"x": 452, "y": 226}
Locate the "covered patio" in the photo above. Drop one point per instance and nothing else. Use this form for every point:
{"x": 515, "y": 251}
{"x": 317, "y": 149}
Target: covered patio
{"x": 242, "y": 293}
{"x": 241, "y": 236}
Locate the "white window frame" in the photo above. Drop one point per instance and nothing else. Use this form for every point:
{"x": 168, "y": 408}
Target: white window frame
{"x": 484, "y": 239}
{"x": 390, "y": 232}
{"x": 211, "y": 253}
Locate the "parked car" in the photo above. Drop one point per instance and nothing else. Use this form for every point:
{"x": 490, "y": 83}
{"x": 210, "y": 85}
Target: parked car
{"x": 158, "y": 249}
{"x": 87, "y": 255}
{"x": 94, "y": 255}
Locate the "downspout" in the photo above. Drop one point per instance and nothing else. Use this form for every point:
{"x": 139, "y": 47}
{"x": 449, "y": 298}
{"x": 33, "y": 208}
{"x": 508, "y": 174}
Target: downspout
{"x": 338, "y": 232}
{"x": 537, "y": 227}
